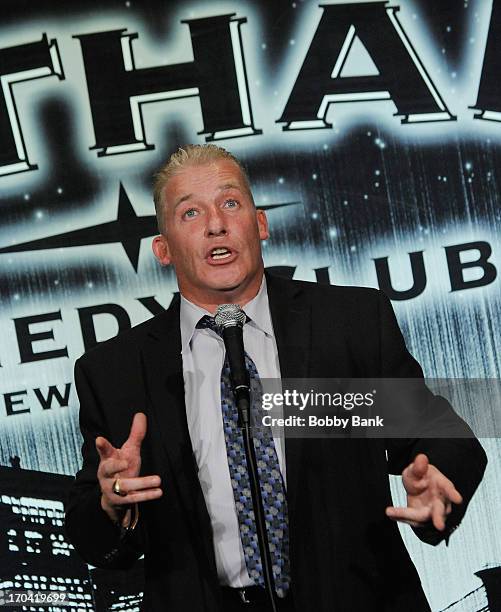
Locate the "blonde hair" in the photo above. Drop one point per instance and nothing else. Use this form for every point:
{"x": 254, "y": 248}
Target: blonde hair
{"x": 190, "y": 155}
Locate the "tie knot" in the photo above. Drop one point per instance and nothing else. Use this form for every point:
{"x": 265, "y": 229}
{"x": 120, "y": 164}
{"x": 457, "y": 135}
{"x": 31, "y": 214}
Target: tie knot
{"x": 207, "y": 322}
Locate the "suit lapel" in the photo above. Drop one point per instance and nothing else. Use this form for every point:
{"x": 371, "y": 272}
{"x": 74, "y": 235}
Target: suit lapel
{"x": 291, "y": 316}
{"x": 290, "y": 311}
{"x": 163, "y": 373}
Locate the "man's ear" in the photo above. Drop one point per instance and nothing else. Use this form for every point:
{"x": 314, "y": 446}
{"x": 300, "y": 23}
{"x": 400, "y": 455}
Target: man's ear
{"x": 160, "y": 246}
{"x": 262, "y": 224}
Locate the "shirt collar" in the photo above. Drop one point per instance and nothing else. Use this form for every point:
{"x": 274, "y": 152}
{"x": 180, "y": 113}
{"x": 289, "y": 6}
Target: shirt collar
{"x": 257, "y": 310}
{"x": 189, "y": 314}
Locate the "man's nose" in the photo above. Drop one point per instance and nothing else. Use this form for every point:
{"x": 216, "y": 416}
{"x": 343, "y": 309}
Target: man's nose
{"x": 215, "y": 223}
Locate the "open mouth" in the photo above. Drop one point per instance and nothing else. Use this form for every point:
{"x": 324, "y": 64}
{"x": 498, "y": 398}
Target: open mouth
{"x": 219, "y": 253}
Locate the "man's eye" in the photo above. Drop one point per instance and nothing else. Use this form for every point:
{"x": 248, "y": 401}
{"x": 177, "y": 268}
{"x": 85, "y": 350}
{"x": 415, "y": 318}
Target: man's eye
{"x": 230, "y": 204}
{"x": 190, "y": 213}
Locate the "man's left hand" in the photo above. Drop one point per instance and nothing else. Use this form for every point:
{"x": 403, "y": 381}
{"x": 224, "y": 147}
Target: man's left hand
{"x": 430, "y": 495}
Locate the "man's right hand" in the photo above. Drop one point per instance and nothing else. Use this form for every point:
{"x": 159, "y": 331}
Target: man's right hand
{"x": 125, "y": 463}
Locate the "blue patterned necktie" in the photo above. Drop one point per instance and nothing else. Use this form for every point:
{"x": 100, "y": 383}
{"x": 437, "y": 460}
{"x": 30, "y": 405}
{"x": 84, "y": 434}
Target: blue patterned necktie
{"x": 270, "y": 478}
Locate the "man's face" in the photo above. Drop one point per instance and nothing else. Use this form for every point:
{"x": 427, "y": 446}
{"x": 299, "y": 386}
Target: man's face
{"x": 213, "y": 233}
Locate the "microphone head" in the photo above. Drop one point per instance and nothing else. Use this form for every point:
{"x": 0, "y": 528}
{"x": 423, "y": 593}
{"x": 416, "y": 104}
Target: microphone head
{"x": 229, "y": 315}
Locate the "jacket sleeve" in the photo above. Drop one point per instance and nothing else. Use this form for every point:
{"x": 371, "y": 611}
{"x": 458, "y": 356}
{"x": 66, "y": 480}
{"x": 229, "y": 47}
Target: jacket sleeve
{"x": 95, "y": 537}
{"x": 461, "y": 459}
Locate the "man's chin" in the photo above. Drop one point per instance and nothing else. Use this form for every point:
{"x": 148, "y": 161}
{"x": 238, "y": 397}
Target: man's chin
{"x": 230, "y": 288}
{"x": 226, "y": 287}
{"x": 231, "y": 285}
{"x": 226, "y": 283}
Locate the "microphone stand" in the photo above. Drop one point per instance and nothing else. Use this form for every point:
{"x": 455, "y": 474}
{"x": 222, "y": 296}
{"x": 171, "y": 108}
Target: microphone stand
{"x": 243, "y": 406}
{"x": 233, "y": 335}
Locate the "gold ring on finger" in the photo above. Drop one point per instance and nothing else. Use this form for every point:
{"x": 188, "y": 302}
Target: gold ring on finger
{"x": 117, "y": 490}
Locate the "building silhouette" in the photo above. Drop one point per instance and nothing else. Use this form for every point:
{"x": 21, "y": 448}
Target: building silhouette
{"x": 36, "y": 556}
{"x": 485, "y": 598}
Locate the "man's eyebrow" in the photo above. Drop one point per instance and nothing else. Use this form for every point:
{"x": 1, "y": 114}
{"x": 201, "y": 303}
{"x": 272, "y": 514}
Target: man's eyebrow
{"x": 224, "y": 187}
{"x": 227, "y": 186}
{"x": 182, "y": 199}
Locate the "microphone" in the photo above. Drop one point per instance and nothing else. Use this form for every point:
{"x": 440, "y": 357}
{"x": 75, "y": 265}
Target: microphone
{"x": 231, "y": 318}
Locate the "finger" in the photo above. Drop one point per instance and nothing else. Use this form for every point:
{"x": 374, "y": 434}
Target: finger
{"x": 415, "y": 515}
{"x": 395, "y": 516}
{"x": 413, "y": 485}
{"x": 451, "y": 493}
{"x": 104, "y": 448}
{"x": 419, "y": 466}
{"x": 109, "y": 468}
{"x": 137, "y": 430}
{"x": 438, "y": 514}
{"x": 415, "y": 476}
{"x": 130, "y": 485}
{"x": 138, "y": 496}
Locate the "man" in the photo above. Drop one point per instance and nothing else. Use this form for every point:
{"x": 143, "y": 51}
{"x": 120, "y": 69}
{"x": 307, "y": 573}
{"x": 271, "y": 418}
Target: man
{"x": 158, "y": 458}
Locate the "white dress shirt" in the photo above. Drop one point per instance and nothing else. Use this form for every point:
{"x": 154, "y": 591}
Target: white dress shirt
{"x": 203, "y": 356}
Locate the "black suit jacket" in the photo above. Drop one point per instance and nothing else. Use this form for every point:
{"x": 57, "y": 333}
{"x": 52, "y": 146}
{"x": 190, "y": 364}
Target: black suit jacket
{"x": 345, "y": 554}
